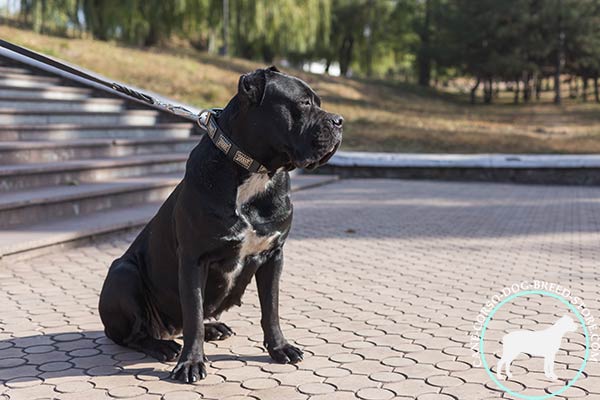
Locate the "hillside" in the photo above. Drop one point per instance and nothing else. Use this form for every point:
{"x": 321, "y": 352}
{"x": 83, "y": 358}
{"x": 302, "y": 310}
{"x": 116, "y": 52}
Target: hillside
{"x": 380, "y": 116}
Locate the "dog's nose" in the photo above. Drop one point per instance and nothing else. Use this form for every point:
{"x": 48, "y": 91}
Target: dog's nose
{"x": 337, "y": 120}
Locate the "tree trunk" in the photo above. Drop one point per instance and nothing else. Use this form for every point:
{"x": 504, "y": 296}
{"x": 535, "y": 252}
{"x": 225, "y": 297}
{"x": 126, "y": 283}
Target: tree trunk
{"x": 474, "y": 90}
{"x": 268, "y": 54}
{"x": 44, "y": 12}
{"x": 558, "y": 61}
{"x": 596, "y": 94}
{"x": 75, "y": 18}
{"x": 584, "y": 90}
{"x": 152, "y": 38}
{"x": 25, "y": 12}
{"x": 557, "y": 96}
{"x": 225, "y": 48}
{"x": 575, "y": 86}
{"x": 538, "y": 88}
{"x": 369, "y": 34}
{"x": 346, "y": 55}
{"x": 423, "y": 55}
{"x": 238, "y": 29}
{"x": 526, "y": 87}
{"x": 516, "y": 98}
{"x": 570, "y": 87}
{"x": 487, "y": 91}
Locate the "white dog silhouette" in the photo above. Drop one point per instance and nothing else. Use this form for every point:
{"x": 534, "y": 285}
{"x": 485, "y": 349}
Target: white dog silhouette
{"x": 544, "y": 343}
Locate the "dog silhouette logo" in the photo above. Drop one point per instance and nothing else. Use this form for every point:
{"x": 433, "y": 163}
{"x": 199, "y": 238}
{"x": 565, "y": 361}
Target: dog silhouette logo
{"x": 544, "y": 343}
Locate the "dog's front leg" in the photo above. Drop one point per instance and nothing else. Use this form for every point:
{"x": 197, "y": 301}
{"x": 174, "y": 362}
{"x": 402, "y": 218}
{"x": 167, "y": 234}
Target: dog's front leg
{"x": 267, "y": 281}
{"x": 549, "y": 365}
{"x": 192, "y": 282}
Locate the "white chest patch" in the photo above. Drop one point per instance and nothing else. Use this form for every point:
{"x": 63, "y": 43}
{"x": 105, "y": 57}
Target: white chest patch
{"x": 253, "y": 186}
{"x": 252, "y": 243}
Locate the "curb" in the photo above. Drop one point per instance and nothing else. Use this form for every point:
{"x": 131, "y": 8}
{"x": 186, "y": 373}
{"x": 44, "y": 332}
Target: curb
{"x": 581, "y": 169}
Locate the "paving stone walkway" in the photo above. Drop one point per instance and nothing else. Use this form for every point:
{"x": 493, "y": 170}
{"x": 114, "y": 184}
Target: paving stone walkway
{"x": 383, "y": 284}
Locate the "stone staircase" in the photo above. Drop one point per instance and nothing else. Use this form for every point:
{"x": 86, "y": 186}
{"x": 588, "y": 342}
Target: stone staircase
{"x": 77, "y": 161}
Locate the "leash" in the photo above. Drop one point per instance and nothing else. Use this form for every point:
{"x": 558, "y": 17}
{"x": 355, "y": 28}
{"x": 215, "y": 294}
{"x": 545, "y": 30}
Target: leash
{"x": 205, "y": 120}
{"x": 171, "y": 108}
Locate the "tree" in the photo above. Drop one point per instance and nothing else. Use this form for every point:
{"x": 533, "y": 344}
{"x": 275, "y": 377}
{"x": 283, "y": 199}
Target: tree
{"x": 423, "y": 29}
{"x": 518, "y": 41}
{"x": 349, "y": 18}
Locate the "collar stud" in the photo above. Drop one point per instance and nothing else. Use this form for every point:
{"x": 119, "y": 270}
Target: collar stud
{"x": 207, "y": 121}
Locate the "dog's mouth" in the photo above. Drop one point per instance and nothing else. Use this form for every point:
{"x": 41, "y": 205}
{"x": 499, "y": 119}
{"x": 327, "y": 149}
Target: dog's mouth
{"x": 314, "y": 164}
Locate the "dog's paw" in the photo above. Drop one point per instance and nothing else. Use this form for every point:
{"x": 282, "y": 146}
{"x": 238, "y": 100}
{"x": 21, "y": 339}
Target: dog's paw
{"x": 216, "y": 331}
{"x": 190, "y": 371}
{"x": 285, "y": 354}
{"x": 163, "y": 350}
{"x": 552, "y": 377}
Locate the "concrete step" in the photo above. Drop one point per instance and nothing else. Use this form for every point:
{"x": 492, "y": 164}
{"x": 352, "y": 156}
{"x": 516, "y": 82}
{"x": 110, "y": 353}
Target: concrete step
{"x": 92, "y": 104}
{"x": 55, "y": 92}
{"x": 14, "y": 70}
{"x": 28, "y": 176}
{"x": 126, "y": 117}
{"x": 27, "y": 80}
{"x": 76, "y": 131}
{"x": 35, "y": 240}
{"x": 48, "y": 204}
{"x": 23, "y": 242}
{"x": 44, "y": 151}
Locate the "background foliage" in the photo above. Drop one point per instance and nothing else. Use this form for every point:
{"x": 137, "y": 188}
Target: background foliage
{"x": 520, "y": 45}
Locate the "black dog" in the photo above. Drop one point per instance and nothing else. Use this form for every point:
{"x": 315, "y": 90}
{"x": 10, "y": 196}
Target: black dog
{"x": 221, "y": 226}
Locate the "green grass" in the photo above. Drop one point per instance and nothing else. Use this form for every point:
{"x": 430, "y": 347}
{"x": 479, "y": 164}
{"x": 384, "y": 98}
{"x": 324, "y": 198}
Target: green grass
{"x": 380, "y": 115}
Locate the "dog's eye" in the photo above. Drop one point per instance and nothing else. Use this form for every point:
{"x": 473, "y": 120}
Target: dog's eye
{"x": 306, "y": 102}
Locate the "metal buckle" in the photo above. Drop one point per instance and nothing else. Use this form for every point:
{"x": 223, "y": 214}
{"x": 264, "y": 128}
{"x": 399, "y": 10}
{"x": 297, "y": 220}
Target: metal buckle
{"x": 203, "y": 118}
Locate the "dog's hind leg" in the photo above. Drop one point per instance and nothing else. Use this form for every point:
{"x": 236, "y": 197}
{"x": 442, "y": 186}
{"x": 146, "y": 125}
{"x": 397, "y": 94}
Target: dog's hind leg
{"x": 126, "y": 316}
{"x": 499, "y": 368}
{"x": 507, "y": 361}
{"x": 504, "y": 362}
{"x": 508, "y": 373}
{"x": 507, "y": 357}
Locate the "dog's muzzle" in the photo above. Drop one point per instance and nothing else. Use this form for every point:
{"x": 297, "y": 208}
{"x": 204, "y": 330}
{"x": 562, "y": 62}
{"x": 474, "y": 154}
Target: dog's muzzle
{"x": 323, "y": 160}
{"x": 334, "y": 126}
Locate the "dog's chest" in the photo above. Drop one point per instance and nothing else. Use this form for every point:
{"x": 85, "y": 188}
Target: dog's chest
{"x": 251, "y": 242}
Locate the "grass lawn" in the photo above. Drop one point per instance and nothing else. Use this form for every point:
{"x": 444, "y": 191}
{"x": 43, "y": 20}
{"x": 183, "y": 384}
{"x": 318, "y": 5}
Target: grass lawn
{"x": 380, "y": 116}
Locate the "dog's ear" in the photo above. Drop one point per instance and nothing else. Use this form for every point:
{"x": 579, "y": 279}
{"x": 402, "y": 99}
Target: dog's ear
{"x": 251, "y": 87}
{"x": 273, "y": 68}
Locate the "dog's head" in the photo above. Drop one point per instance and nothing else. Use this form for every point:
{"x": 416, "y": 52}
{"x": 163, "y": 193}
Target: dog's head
{"x": 567, "y": 324}
{"x": 286, "y": 116}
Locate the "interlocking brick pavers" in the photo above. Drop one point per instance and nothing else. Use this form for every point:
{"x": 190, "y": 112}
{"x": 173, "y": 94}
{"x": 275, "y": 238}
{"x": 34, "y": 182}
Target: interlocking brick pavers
{"x": 383, "y": 281}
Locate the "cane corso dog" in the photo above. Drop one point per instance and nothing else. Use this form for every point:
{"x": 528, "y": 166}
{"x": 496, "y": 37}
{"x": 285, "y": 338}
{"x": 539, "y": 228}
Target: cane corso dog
{"x": 220, "y": 227}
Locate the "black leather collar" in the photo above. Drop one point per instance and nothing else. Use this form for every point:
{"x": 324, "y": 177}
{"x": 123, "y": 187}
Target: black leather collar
{"x": 208, "y": 122}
